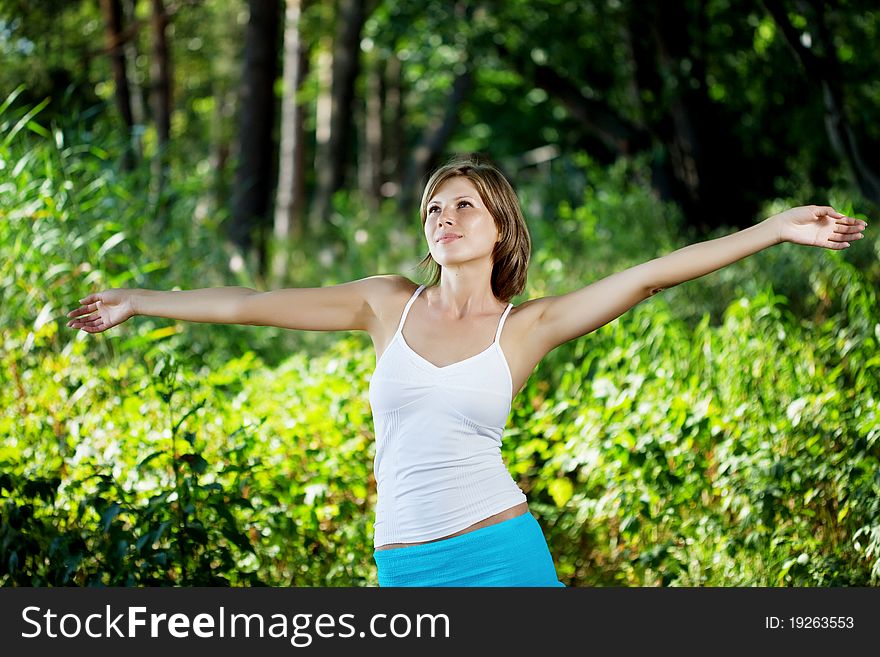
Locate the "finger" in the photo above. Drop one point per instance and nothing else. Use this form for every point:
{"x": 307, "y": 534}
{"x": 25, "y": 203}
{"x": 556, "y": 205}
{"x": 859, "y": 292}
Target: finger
{"x": 827, "y": 210}
{"x": 76, "y": 312}
{"x": 83, "y": 323}
{"x": 838, "y": 236}
{"x": 850, "y": 221}
{"x": 82, "y": 315}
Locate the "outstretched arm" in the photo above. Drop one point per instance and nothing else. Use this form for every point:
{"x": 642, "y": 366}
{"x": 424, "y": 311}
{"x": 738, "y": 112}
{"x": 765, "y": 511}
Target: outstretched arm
{"x": 810, "y": 225}
{"x": 577, "y": 313}
{"x": 344, "y": 307}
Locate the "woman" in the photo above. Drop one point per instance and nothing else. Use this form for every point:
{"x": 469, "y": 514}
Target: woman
{"x": 448, "y": 511}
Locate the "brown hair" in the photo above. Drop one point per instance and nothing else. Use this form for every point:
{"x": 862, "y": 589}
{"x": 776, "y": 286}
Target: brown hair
{"x": 511, "y": 255}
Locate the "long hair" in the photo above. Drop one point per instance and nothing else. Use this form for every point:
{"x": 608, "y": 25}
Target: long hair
{"x": 510, "y": 258}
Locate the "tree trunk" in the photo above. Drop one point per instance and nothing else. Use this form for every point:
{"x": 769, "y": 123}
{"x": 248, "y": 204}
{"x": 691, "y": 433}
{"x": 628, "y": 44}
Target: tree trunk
{"x": 645, "y": 84}
{"x": 254, "y": 173}
{"x": 346, "y": 57}
{"x": 161, "y": 101}
{"x": 112, "y": 11}
{"x": 161, "y": 73}
{"x": 323, "y": 104}
{"x": 136, "y": 91}
{"x": 220, "y": 142}
{"x": 290, "y": 199}
{"x": 394, "y": 147}
{"x": 682, "y": 125}
{"x": 371, "y": 152}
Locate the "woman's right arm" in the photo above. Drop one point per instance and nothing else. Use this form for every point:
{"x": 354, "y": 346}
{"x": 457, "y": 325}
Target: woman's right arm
{"x": 216, "y": 305}
{"x": 348, "y": 306}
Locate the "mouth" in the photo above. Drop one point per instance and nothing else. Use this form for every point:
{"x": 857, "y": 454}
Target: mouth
{"x": 448, "y": 238}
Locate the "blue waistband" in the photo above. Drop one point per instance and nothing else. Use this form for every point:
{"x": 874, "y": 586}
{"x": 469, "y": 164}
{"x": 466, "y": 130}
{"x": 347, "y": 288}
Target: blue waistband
{"x": 509, "y": 553}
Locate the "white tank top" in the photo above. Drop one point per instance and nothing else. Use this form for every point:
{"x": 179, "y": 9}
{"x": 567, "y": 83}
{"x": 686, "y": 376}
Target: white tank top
{"x": 438, "y": 465}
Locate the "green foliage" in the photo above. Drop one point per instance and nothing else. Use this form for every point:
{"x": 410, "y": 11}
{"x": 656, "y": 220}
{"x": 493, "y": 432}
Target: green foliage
{"x": 730, "y": 455}
{"x": 720, "y": 433}
{"x": 145, "y": 490}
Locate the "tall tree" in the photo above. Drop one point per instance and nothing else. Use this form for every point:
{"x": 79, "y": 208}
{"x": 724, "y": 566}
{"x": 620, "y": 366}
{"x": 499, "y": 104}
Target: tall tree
{"x": 334, "y": 153}
{"x": 290, "y": 198}
{"x": 160, "y": 64}
{"x": 251, "y": 196}
{"x": 161, "y": 72}
{"x": 112, "y": 12}
{"x": 370, "y": 154}
{"x": 135, "y": 88}
{"x": 393, "y": 148}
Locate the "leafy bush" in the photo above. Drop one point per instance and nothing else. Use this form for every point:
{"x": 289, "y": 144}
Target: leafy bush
{"x": 720, "y": 433}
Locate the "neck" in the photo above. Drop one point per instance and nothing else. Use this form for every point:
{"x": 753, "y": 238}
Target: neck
{"x": 465, "y": 291}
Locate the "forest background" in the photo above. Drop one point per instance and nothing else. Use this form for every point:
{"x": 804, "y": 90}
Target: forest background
{"x": 722, "y": 433}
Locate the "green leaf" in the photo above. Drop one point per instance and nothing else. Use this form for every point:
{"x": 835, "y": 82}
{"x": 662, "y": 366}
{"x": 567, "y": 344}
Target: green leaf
{"x": 196, "y": 531}
{"x": 24, "y": 121}
{"x": 190, "y": 437}
{"x": 109, "y": 243}
{"x": 142, "y": 541}
{"x": 149, "y": 458}
{"x": 561, "y": 491}
{"x": 109, "y": 514}
{"x": 238, "y": 539}
{"x": 196, "y": 462}
{"x": 33, "y": 126}
{"x": 157, "y": 535}
{"x": 15, "y": 93}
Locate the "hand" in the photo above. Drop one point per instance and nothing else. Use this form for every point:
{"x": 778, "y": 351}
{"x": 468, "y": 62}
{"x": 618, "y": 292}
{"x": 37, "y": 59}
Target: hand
{"x": 818, "y": 225}
{"x": 112, "y": 307}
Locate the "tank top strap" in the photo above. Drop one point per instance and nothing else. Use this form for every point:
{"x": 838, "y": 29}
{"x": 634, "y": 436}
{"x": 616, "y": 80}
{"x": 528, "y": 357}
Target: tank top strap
{"x": 407, "y": 307}
{"x": 501, "y": 323}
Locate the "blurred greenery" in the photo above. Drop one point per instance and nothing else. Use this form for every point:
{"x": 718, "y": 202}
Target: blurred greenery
{"x": 724, "y": 432}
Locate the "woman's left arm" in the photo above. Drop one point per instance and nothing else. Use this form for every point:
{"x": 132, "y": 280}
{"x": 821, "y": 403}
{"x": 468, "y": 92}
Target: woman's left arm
{"x": 811, "y": 225}
{"x": 572, "y": 315}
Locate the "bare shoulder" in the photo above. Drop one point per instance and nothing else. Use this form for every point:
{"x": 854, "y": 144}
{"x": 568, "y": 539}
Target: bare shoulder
{"x": 521, "y": 341}
{"x": 521, "y": 327}
{"x": 529, "y": 319}
{"x": 527, "y": 313}
{"x": 383, "y": 288}
{"x": 393, "y": 282}
{"x": 387, "y": 294}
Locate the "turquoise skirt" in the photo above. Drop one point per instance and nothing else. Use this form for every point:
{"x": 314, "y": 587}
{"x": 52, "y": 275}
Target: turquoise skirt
{"x": 509, "y": 553}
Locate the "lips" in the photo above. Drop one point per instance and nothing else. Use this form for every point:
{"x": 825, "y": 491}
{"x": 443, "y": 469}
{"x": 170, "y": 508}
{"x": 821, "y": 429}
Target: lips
{"x": 448, "y": 238}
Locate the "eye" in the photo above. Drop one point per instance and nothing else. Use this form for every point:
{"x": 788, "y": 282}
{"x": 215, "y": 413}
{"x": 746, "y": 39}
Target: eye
{"x": 432, "y": 208}
{"x": 464, "y": 202}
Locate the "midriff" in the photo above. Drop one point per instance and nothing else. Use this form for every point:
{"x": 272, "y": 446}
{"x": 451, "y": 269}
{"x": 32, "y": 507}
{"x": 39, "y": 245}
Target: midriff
{"x": 507, "y": 514}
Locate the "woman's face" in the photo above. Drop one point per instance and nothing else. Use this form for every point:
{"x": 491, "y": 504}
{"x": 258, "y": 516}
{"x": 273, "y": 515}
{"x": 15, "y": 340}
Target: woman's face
{"x": 456, "y": 207}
